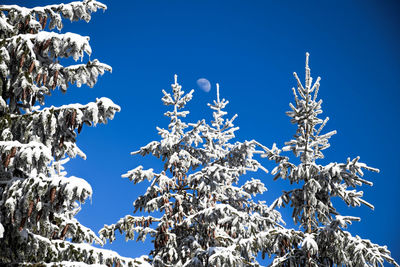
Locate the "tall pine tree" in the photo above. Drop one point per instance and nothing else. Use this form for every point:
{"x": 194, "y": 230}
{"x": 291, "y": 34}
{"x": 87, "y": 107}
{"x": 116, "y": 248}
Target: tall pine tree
{"x": 38, "y": 202}
{"x": 206, "y": 218}
{"x": 323, "y": 240}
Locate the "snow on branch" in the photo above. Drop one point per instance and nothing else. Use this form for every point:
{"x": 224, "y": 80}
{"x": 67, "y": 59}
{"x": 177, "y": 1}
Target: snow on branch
{"x": 76, "y": 254}
{"x": 38, "y": 202}
{"x": 129, "y": 225}
{"x": 31, "y": 20}
{"x": 205, "y": 217}
{"x": 30, "y": 56}
{"x": 323, "y": 242}
{"x": 33, "y": 200}
{"x": 55, "y": 126}
{"x": 15, "y": 155}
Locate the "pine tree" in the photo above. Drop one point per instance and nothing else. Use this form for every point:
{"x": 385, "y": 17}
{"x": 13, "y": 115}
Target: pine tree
{"x": 323, "y": 240}
{"x": 222, "y": 205}
{"x": 166, "y": 195}
{"x": 206, "y": 218}
{"x": 38, "y": 202}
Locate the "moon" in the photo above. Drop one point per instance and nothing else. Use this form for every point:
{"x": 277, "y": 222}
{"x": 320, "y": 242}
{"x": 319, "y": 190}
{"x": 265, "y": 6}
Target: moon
{"x": 204, "y": 84}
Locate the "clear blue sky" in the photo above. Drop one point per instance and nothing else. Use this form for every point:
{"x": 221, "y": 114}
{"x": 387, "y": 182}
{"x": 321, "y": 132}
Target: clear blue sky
{"x": 251, "y": 48}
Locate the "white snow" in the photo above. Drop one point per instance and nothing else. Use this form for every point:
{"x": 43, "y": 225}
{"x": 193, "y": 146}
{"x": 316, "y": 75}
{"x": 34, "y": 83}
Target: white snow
{"x": 1, "y": 230}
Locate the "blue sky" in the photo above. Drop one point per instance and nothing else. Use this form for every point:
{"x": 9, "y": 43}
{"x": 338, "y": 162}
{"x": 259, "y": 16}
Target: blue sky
{"x": 251, "y": 48}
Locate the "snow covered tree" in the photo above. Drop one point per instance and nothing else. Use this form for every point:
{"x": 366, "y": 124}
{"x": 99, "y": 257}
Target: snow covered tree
{"x": 168, "y": 195}
{"x": 324, "y": 240}
{"x": 38, "y": 202}
{"x": 222, "y": 205}
{"x": 206, "y": 218}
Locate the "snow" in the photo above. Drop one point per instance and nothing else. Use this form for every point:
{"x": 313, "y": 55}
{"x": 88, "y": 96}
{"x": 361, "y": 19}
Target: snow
{"x": 210, "y": 191}
{"x": 77, "y": 44}
{"x": 1, "y": 230}
{"x": 138, "y": 174}
{"x": 309, "y": 244}
{"x": 78, "y": 186}
{"x": 41, "y": 202}
{"x": 74, "y": 11}
{"x": 198, "y": 187}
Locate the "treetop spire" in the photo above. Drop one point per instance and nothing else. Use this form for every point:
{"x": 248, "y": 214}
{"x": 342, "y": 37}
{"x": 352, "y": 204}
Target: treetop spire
{"x": 323, "y": 240}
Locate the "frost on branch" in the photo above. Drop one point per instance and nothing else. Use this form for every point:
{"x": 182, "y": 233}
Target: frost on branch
{"x": 38, "y": 201}
{"x": 323, "y": 242}
{"x": 17, "y": 20}
{"x": 205, "y": 219}
{"x": 30, "y": 56}
{"x": 168, "y": 192}
{"x": 57, "y": 127}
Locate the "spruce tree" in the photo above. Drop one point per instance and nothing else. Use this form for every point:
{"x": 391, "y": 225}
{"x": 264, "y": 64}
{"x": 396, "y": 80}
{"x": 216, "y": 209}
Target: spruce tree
{"x": 223, "y": 205}
{"x": 206, "y": 218}
{"x": 323, "y": 240}
{"x": 38, "y": 202}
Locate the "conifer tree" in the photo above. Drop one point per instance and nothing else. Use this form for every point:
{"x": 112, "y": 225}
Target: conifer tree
{"x": 323, "y": 240}
{"x": 206, "y": 218}
{"x": 38, "y": 202}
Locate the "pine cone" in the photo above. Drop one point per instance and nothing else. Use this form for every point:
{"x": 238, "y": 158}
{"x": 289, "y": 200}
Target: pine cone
{"x": 44, "y": 78}
{"x": 46, "y": 44}
{"x": 6, "y": 162}
{"x": 38, "y": 78}
{"x": 22, "y": 224}
{"x": 13, "y": 151}
{"x": 52, "y": 194}
{"x": 73, "y": 117}
{"x": 53, "y": 235}
{"x": 32, "y": 66}
{"x": 30, "y": 209}
{"x": 55, "y": 79}
{"x": 21, "y": 62}
{"x": 64, "y": 231}
{"x": 61, "y": 142}
{"x": 80, "y": 128}
{"x": 44, "y": 22}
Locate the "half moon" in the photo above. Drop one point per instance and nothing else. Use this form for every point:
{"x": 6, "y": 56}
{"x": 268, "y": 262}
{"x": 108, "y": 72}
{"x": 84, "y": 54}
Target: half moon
{"x": 204, "y": 84}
